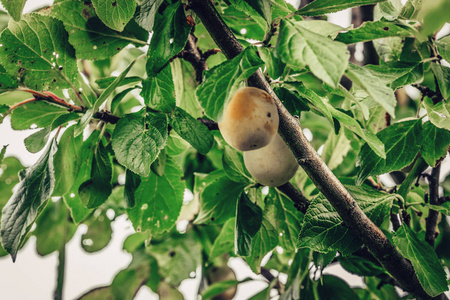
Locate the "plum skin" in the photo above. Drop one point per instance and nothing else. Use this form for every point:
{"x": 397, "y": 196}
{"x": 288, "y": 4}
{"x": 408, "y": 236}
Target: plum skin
{"x": 250, "y": 120}
{"x": 273, "y": 165}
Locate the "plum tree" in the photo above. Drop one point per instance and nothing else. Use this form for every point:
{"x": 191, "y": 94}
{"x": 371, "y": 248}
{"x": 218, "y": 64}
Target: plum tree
{"x": 250, "y": 120}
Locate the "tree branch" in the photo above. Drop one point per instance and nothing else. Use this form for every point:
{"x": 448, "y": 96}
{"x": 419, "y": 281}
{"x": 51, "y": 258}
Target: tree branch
{"x": 300, "y": 201}
{"x": 430, "y": 234}
{"x": 327, "y": 183}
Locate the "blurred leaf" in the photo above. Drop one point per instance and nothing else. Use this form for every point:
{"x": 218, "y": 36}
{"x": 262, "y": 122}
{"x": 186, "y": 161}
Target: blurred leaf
{"x": 224, "y": 242}
{"x": 442, "y": 74}
{"x": 14, "y": 8}
{"x": 223, "y": 80}
{"x": 191, "y": 130}
{"x": 439, "y": 113}
{"x": 429, "y": 270}
{"x": 312, "y": 50}
{"x": 372, "y": 30}
{"x": 167, "y": 292}
{"x": 35, "y": 51}
{"x": 98, "y": 234}
{"x": 98, "y": 293}
{"x": 219, "y": 287}
{"x": 28, "y": 201}
{"x": 321, "y": 7}
{"x": 335, "y": 288}
{"x": 443, "y": 46}
{"x": 360, "y": 266}
{"x": 137, "y": 140}
{"x": 158, "y": 200}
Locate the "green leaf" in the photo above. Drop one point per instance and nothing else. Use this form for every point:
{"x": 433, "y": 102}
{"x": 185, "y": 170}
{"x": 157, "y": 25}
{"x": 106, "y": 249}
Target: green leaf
{"x": 234, "y": 167}
{"x": 390, "y": 10}
{"x": 321, "y": 27}
{"x": 2, "y": 153}
{"x": 397, "y": 76}
{"x": 374, "y": 142}
{"x": 323, "y": 229}
{"x": 177, "y": 256}
{"x": 219, "y": 287}
{"x": 6, "y": 81}
{"x": 443, "y": 46}
{"x": 372, "y": 30}
{"x": 40, "y": 113}
{"x": 335, "y": 288}
{"x": 169, "y": 37}
{"x": 53, "y": 228}
{"x": 115, "y": 13}
{"x": 132, "y": 182}
{"x": 159, "y": 91}
{"x": 258, "y": 10}
{"x": 360, "y": 266}
{"x": 10, "y": 167}
{"x": 35, "y": 51}
{"x": 146, "y": 14}
{"x": 87, "y": 34}
{"x": 274, "y": 65}
{"x": 299, "y": 47}
{"x": 285, "y": 218}
{"x": 335, "y": 149}
{"x": 223, "y": 80}
{"x": 248, "y": 223}
{"x": 293, "y": 102}
{"x": 411, "y": 9}
{"x": 404, "y": 137}
{"x": 97, "y": 189}
{"x": 218, "y": 200}
{"x": 425, "y": 262}
{"x": 262, "y": 243}
{"x": 158, "y": 201}
{"x": 439, "y": 113}
{"x": 98, "y": 234}
{"x": 374, "y": 87}
{"x": 14, "y": 8}
{"x": 37, "y": 141}
{"x": 184, "y": 78}
{"x": 67, "y": 161}
{"x": 28, "y": 201}
{"x": 442, "y": 74}
{"x": 137, "y": 140}
{"x": 191, "y": 130}
{"x": 224, "y": 242}
{"x": 321, "y": 7}
{"x": 444, "y": 208}
{"x": 103, "y": 83}
{"x": 98, "y": 293}
{"x": 437, "y": 143}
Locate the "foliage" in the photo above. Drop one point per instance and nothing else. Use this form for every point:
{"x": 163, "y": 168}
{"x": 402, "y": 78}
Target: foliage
{"x": 125, "y": 95}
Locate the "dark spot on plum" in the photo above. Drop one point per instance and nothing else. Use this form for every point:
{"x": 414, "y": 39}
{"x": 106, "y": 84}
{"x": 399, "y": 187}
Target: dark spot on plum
{"x": 269, "y": 114}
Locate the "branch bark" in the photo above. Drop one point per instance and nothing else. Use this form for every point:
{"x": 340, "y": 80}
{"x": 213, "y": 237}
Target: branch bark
{"x": 432, "y": 219}
{"x": 290, "y": 130}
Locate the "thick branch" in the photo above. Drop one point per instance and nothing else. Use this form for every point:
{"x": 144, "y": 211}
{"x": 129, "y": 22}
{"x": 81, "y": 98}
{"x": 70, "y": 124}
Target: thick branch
{"x": 300, "y": 201}
{"x": 430, "y": 234}
{"x": 386, "y": 253}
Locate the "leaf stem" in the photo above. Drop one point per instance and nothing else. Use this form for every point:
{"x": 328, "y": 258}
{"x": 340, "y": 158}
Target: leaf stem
{"x": 58, "y": 295}
{"x": 300, "y": 201}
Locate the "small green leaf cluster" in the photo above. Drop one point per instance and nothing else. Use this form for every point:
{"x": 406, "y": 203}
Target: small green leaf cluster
{"x": 123, "y": 96}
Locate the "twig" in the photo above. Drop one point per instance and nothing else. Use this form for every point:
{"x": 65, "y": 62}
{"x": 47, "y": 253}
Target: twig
{"x": 300, "y": 201}
{"x": 327, "y": 183}
{"x": 107, "y": 117}
{"x": 209, "y": 123}
{"x": 430, "y": 234}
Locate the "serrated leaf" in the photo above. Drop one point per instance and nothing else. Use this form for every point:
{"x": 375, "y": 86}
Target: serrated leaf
{"x": 321, "y": 7}
{"x": 28, "y": 201}
{"x": 442, "y": 74}
{"x": 191, "y": 130}
{"x": 323, "y": 229}
{"x": 115, "y": 13}
{"x": 88, "y": 35}
{"x": 224, "y": 242}
{"x": 132, "y": 182}
{"x": 169, "y": 37}
{"x": 234, "y": 167}
{"x": 40, "y": 113}
{"x": 158, "y": 201}
{"x": 443, "y": 46}
{"x": 35, "y": 51}
{"x": 439, "y": 113}
{"x": 218, "y": 200}
{"x": 223, "y": 80}
{"x": 67, "y": 161}
{"x": 53, "y": 228}
{"x": 396, "y": 77}
{"x": 248, "y": 222}
{"x": 299, "y": 47}
{"x": 321, "y": 27}
{"x": 97, "y": 189}
{"x": 372, "y": 30}
{"x": 436, "y": 147}
{"x": 159, "y": 91}
{"x": 258, "y": 10}
{"x": 429, "y": 270}
{"x": 402, "y": 143}
{"x": 374, "y": 87}
{"x": 14, "y": 8}
{"x": 137, "y": 140}
{"x": 146, "y": 13}
{"x": 177, "y": 256}
{"x": 98, "y": 234}
{"x": 285, "y": 218}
